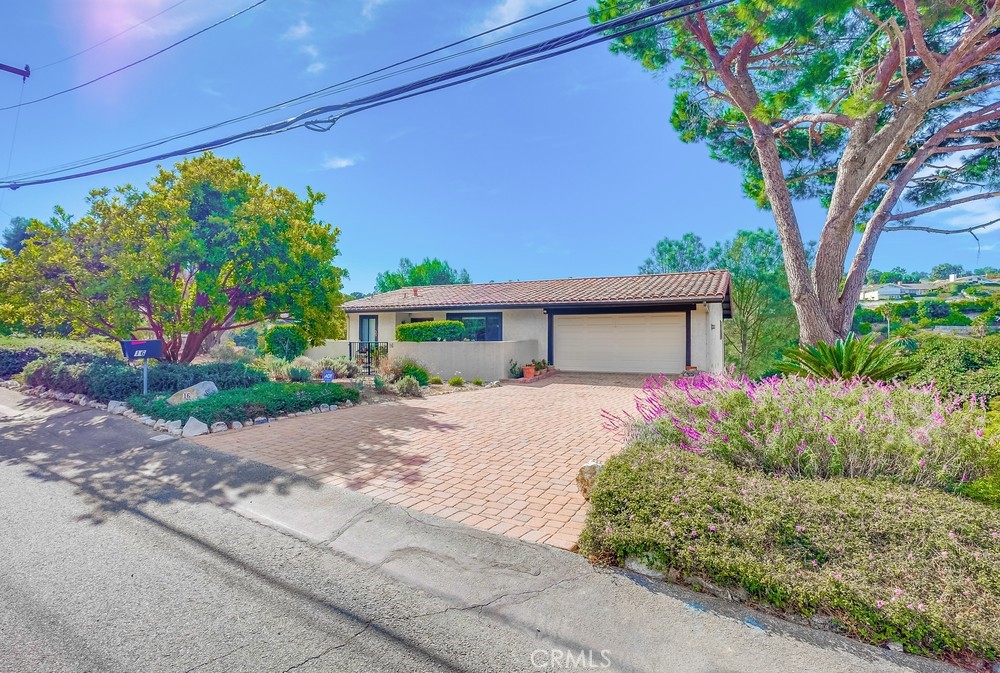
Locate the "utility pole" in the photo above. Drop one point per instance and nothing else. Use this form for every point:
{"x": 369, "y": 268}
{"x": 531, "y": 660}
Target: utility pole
{"x": 25, "y": 73}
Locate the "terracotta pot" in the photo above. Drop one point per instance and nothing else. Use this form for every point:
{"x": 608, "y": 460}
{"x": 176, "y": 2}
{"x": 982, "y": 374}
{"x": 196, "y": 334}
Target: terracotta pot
{"x": 529, "y": 371}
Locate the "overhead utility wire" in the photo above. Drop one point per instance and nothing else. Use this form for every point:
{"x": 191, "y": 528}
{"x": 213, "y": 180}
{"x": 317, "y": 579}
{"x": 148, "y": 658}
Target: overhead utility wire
{"x": 141, "y": 60}
{"x": 345, "y": 85}
{"x": 112, "y": 37}
{"x": 541, "y": 51}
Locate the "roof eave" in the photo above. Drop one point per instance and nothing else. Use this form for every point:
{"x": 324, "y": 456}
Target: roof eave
{"x": 714, "y": 299}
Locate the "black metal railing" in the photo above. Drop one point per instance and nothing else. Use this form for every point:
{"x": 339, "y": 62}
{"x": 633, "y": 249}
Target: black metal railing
{"x": 368, "y": 354}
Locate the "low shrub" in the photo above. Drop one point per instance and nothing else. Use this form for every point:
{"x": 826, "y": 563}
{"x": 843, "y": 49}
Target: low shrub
{"x": 958, "y": 364}
{"x": 431, "y": 330}
{"x": 882, "y": 561}
{"x": 285, "y": 341}
{"x": 299, "y": 375}
{"x": 345, "y": 368}
{"x": 264, "y": 399}
{"x": 478, "y": 382}
{"x": 408, "y": 386}
{"x": 228, "y": 354}
{"x": 435, "y": 381}
{"x": 16, "y": 352}
{"x": 304, "y": 362}
{"x": 275, "y": 368}
{"x": 456, "y": 381}
{"x": 411, "y": 368}
{"x": 105, "y": 379}
{"x": 822, "y": 429}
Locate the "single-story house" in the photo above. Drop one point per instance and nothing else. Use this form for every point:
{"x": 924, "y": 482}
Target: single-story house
{"x": 657, "y": 323}
{"x": 895, "y": 291}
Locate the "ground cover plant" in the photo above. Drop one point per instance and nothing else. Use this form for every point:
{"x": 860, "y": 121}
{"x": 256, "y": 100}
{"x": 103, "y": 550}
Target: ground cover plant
{"x": 882, "y": 561}
{"x": 245, "y": 404}
{"x": 959, "y": 364}
{"x": 872, "y": 507}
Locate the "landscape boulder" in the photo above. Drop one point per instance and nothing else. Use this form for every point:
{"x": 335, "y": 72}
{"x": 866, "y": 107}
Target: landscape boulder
{"x": 587, "y": 477}
{"x": 219, "y": 427}
{"x": 198, "y": 391}
{"x": 194, "y": 427}
{"x": 117, "y": 407}
{"x": 173, "y": 427}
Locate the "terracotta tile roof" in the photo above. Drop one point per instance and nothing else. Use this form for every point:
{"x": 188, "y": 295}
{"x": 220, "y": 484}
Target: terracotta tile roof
{"x": 667, "y": 288}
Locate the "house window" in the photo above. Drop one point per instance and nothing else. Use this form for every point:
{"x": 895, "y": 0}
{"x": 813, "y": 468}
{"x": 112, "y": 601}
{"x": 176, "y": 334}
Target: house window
{"x": 368, "y": 328}
{"x": 421, "y": 319}
{"x": 480, "y": 326}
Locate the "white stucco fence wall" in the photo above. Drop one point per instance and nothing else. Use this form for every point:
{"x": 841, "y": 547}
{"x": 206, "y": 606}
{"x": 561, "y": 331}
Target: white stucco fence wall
{"x": 331, "y": 349}
{"x": 487, "y": 360}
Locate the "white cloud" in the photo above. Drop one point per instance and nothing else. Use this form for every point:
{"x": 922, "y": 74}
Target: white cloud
{"x": 333, "y": 163}
{"x": 976, "y": 212}
{"x": 299, "y": 31}
{"x": 509, "y": 10}
{"x": 369, "y": 7}
{"x": 316, "y": 67}
{"x": 310, "y": 50}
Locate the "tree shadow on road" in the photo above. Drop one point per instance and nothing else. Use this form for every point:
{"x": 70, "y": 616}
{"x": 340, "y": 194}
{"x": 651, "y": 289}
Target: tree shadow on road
{"x": 122, "y": 461}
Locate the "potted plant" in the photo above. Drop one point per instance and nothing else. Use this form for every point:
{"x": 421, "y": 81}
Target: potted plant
{"x": 529, "y": 371}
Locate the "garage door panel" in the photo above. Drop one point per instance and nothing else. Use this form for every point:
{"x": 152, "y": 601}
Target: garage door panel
{"x": 634, "y": 342}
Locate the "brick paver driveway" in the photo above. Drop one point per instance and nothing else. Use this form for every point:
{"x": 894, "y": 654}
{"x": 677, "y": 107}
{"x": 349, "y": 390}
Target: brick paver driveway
{"x": 501, "y": 459}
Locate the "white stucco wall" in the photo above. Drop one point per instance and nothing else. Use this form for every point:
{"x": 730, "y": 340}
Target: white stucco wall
{"x": 487, "y": 360}
{"x": 707, "y": 345}
{"x": 331, "y": 349}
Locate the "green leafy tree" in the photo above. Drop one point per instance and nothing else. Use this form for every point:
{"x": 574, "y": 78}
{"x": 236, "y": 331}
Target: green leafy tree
{"x": 933, "y": 309}
{"x": 16, "y": 233}
{"x": 943, "y": 271}
{"x": 886, "y": 111}
{"x": 669, "y": 255}
{"x": 763, "y": 319}
{"x": 206, "y": 247}
{"x": 428, "y": 272}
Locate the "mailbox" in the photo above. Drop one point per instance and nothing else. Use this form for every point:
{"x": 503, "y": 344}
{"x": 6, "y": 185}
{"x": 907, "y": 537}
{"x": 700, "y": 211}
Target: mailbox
{"x": 142, "y": 349}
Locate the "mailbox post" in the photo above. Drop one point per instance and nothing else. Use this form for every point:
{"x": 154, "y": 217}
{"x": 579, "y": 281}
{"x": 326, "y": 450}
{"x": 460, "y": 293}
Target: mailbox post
{"x": 145, "y": 349}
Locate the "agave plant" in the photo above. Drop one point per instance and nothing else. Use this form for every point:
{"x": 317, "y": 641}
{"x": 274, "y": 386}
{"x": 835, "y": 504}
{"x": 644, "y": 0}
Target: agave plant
{"x": 846, "y": 359}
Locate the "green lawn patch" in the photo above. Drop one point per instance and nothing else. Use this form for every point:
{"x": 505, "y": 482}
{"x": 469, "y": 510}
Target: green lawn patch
{"x": 885, "y": 561}
{"x": 245, "y": 404}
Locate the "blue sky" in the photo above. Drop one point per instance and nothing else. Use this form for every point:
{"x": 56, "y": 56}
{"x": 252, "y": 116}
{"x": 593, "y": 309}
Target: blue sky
{"x": 564, "y": 168}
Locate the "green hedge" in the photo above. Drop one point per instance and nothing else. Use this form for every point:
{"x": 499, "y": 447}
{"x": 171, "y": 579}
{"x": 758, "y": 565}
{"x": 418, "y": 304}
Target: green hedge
{"x": 881, "y": 561}
{"x": 107, "y": 380}
{"x": 16, "y": 353}
{"x": 431, "y": 330}
{"x": 263, "y": 399}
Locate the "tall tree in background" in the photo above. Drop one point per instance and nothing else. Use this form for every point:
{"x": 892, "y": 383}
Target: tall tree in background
{"x": 676, "y": 255}
{"x": 763, "y": 319}
{"x": 205, "y": 248}
{"x": 885, "y": 110}
{"x": 944, "y": 271}
{"x": 15, "y": 234}
{"x": 428, "y": 272}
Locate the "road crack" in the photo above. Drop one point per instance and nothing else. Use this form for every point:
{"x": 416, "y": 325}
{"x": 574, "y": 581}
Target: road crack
{"x": 330, "y": 649}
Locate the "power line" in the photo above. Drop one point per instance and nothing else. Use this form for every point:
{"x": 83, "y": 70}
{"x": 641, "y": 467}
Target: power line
{"x": 108, "y": 39}
{"x": 345, "y": 85}
{"x": 141, "y": 60}
{"x": 13, "y": 138}
{"x": 610, "y": 30}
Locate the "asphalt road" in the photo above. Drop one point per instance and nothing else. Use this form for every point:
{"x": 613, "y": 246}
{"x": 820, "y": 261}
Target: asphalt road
{"x": 119, "y": 552}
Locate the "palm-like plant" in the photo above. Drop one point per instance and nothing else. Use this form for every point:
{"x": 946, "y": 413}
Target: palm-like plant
{"x": 846, "y": 359}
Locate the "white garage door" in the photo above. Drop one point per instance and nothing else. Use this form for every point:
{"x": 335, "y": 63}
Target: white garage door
{"x": 646, "y": 343}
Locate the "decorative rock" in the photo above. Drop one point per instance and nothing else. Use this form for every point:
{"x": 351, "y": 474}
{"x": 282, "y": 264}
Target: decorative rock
{"x": 11, "y": 384}
{"x": 894, "y": 646}
{"x": 236, "y": 425}
{"x": 84, "y": 401}
{"x": 272, "y": 419}
{"x": 260, "y": 420}
{"x": 117, "y": 407}
{"x": 198, "y": 391}
{"x": 348, "y": 404}
{"x": 219, "y": 427}
{"x": 637, "y": 565}
{"x": 314, "y": 410}
{"x": 173, "y": 427}
{"x": 161, "y": 424}
{"x": 194, "y": 427}
{"x": 324, "y": 407}
{"x": 586, "y": 478}
{"x": 148, "y": 420}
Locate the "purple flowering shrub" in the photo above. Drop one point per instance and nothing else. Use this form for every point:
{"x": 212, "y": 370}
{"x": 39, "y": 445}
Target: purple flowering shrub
{"x": 823, "y": 429}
